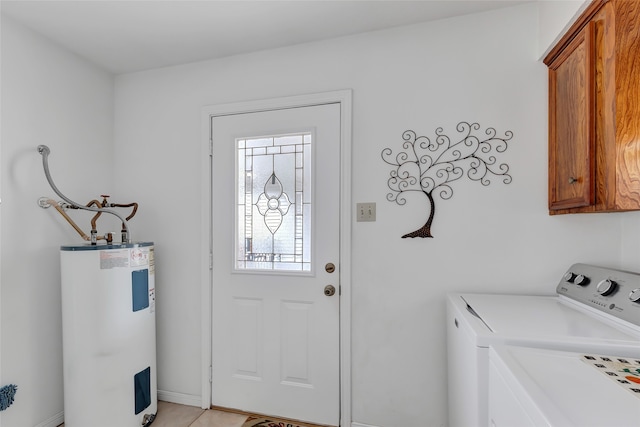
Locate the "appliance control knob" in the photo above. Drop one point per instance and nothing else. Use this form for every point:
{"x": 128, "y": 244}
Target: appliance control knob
{"x": 634, "y": 296}
{"x": 569, "y": 276}
{"x": 607, "y": 287}
{"x": 581, "y": 280}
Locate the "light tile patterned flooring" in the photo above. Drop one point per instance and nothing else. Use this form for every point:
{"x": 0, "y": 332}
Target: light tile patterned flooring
{"x": 174, "y": 415}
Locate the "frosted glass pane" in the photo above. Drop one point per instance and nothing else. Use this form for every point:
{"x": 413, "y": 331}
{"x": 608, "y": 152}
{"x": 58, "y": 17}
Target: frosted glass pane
{"x": 262, "y": 170}
{"x": 285, "y": 167}
{"x": 274, "y": 211}
{"x": 307, "y": 182}
{"x": 306, "y": 232}
{"x": 259, "y": 142}
{"x": 288, "y": 140}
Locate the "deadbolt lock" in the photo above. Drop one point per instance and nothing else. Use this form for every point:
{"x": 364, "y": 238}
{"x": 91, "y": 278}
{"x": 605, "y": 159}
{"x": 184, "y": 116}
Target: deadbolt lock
{"x": 330, "y": 267}
{"x": 329, "y": 290}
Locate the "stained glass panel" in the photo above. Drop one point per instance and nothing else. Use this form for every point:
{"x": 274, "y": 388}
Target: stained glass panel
{"x": 274, "y": 203}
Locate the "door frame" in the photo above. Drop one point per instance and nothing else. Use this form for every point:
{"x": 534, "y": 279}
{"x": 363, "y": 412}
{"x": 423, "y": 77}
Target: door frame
{"x": 343, "y": 97}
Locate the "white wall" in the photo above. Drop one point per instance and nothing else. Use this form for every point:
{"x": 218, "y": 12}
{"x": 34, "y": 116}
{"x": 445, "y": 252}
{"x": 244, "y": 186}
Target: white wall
{"x": 554, "y": 18}
{"x": 630, "y": 259}
{"x": 498, "y": 238}
{"x": 52, "y": 97}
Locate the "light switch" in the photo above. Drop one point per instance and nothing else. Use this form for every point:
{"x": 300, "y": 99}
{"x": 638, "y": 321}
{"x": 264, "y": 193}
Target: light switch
{"x": 366, "y": 211}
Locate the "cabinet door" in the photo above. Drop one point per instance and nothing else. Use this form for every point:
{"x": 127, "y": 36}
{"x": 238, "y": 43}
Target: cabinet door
{"x": 571, "y": 124}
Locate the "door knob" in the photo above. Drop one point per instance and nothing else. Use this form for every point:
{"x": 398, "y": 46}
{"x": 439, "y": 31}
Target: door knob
{"x": 329, "y": 290}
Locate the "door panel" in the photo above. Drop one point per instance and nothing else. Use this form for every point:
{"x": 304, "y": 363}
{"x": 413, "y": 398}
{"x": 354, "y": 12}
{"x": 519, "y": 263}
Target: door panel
{"x": 276, "y": 205}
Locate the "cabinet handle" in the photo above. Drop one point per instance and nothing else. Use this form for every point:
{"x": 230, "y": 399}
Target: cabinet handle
{"x": 573, "y": 180}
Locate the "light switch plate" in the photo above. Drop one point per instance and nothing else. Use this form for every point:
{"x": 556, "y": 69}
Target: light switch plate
{"x": 366, "y": 211}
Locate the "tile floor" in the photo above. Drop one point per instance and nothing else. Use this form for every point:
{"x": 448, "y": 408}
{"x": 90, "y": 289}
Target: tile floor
{"x": 174, "y": 415}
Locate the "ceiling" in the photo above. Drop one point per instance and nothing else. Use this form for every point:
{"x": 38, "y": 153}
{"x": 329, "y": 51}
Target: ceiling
{"x": 134, "y": 35}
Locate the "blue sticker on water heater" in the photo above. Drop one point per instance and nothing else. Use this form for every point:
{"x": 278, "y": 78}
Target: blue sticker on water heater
{"x": 140, "y": 289}
{"x": 142, "y": 390}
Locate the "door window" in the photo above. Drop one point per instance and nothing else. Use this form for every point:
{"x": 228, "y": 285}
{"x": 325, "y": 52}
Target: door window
{"x": 273, "y": 209}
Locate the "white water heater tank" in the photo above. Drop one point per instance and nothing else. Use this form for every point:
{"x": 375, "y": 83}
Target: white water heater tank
{"x": 109, "y": 335}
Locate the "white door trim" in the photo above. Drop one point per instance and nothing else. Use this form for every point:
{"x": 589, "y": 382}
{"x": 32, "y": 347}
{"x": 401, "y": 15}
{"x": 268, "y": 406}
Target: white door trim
{"x": 344, "y": 98}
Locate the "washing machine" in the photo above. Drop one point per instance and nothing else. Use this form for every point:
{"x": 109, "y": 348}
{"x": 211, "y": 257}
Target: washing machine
{"x": 594, "y": 310}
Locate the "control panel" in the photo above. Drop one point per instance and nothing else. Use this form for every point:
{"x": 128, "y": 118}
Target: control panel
{"x": 614, "y": 292}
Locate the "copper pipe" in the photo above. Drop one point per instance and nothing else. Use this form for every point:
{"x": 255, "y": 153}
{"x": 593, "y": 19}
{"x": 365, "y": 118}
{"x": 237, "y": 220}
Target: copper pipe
{"x": 104, "y": 204}
{"x": 128, "y": 205}
{"x": 108, "y": 237}
{"x": 96, "y": 216}
{"x": 69, "y": 220}
{"x": 133, "y": 212}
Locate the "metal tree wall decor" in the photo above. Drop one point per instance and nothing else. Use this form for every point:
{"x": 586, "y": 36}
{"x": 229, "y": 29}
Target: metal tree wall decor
{"x": 428, "y": 166}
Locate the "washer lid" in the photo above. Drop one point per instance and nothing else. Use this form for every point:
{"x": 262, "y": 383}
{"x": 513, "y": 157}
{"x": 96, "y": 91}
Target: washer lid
{"x": 563, "y": 390}
{"x": 543, "y": 318}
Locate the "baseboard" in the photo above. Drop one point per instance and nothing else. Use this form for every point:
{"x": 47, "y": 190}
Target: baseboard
{"x": 180, "y": 398}
{"x": 54, "y": 421}
{"x": 353, "y": 424}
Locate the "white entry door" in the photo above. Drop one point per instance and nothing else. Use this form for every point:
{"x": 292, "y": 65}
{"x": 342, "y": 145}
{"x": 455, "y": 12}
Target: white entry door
{"x": 276, "y": 209}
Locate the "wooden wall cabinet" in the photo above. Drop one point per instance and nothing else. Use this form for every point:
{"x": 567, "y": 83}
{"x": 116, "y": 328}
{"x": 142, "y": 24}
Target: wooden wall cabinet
{"x": 594, "y": 111}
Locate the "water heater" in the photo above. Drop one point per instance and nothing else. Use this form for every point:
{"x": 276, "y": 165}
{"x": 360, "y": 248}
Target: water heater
{"x": 109, "y": 340}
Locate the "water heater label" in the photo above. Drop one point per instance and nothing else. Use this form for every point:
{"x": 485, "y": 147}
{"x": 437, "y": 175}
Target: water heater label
{"x": 114, "y": 259}
{"x": 124, "y": 258}
{"x": 152, "y": 262}
{"x": 139, "y": 257}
